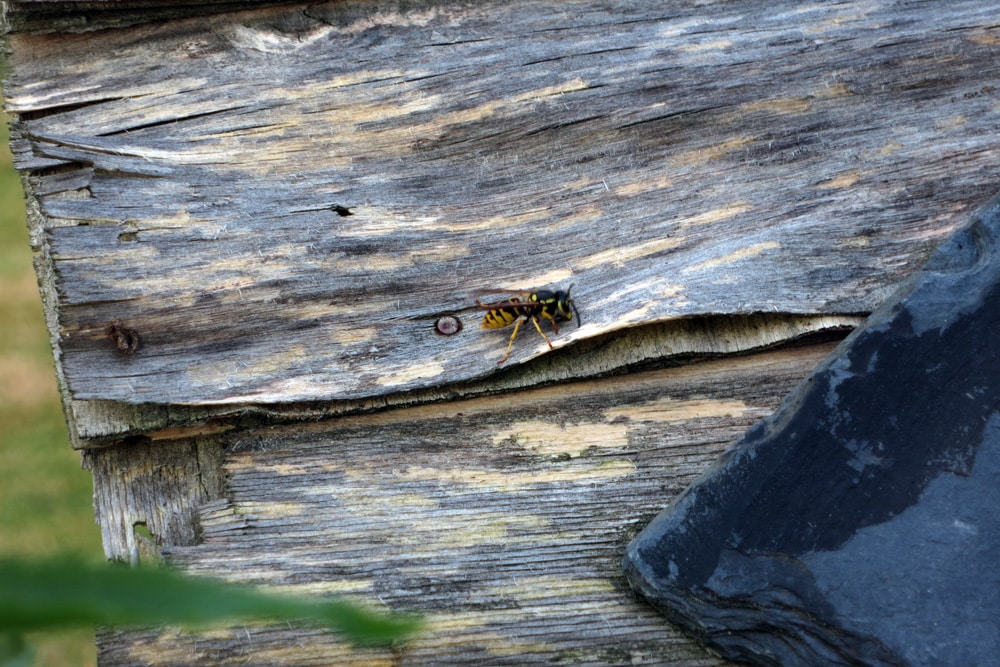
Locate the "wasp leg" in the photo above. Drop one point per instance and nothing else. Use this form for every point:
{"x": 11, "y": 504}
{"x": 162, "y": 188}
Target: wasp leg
{"x": 534, "y": 320}
{"x": 510, "y": 345}
{"x": 555, "y": 325}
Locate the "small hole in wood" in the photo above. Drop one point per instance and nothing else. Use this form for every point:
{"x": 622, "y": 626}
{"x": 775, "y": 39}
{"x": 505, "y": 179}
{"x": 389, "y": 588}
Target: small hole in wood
{"x": 342, "y": 211}
{"x": 140, "y": 529}
{"x": 146, "y": 546}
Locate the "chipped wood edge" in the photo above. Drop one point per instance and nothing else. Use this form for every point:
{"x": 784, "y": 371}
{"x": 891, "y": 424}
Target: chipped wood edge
{"x": 159, "y": 487}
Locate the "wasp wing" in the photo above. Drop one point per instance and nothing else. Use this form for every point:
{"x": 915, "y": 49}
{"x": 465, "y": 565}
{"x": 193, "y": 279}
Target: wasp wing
{"x": 519, "y": 292}
{"x": 520, "y": 300}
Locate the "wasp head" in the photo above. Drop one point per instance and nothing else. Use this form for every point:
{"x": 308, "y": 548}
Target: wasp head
{"x": 565, "y": 306}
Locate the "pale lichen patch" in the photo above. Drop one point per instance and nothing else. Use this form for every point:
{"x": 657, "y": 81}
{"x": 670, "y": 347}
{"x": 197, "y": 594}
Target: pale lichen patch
{"x": 551, "y": 439}
{"x": 733, "y": 257}
{"x": 672, "y": 410}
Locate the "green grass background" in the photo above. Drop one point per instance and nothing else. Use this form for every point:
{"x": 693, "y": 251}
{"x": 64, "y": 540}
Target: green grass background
{"x": 45, "y": 496}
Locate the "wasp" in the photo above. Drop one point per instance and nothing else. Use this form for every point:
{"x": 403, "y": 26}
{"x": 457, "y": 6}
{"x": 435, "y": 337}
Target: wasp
{"x": 529, "y": 306}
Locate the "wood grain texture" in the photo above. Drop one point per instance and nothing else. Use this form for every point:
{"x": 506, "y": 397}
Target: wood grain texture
{"x": 503, "y": 522}
{"x": 672, "y": 160}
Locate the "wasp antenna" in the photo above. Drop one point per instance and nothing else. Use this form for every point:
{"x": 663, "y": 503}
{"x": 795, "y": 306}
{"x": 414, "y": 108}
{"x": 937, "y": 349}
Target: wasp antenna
{"x": 572, "y": 305}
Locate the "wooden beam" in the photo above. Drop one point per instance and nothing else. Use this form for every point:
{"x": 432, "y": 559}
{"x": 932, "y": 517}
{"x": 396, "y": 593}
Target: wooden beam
{"x": 280, "y": 202}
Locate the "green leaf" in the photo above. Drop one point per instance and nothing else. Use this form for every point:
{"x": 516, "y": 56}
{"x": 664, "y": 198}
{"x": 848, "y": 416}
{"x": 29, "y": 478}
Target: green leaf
{"x": 62, "y": 593}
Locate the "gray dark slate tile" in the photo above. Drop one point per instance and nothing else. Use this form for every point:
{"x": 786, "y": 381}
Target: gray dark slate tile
{"x": 860, "y": 524}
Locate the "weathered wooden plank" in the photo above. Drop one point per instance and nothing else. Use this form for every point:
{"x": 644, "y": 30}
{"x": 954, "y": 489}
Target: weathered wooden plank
{"x": 670, "y": 162}
{"x": 503, "y": 522}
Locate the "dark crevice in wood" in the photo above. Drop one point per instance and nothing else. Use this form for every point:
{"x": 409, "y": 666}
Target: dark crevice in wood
{"x": 560, "y": 126}
{"x": 598, "y": 345}
{"x": 590, "y": 356}
{"x": 44, "y": 112}
{"x": 174, "y": 121}
{"x": 59, "y": 169}
{"x": 45, "y": 16}
{"x": 672, "y": 117}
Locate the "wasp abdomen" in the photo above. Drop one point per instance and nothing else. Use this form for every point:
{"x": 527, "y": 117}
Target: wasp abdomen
{"x": 501, "y": 317}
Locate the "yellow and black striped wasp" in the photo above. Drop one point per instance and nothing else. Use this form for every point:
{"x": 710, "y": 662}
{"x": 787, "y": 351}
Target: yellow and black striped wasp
{"x": 529, "y": 306}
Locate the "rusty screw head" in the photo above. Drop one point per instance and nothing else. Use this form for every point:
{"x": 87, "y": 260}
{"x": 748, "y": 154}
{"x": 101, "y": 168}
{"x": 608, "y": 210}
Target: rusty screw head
{"x": 126, "y": 340}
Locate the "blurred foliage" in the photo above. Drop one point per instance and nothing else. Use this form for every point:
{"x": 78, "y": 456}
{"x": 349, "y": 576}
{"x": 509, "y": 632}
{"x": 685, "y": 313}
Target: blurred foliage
{"x": 53, "y": 593}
